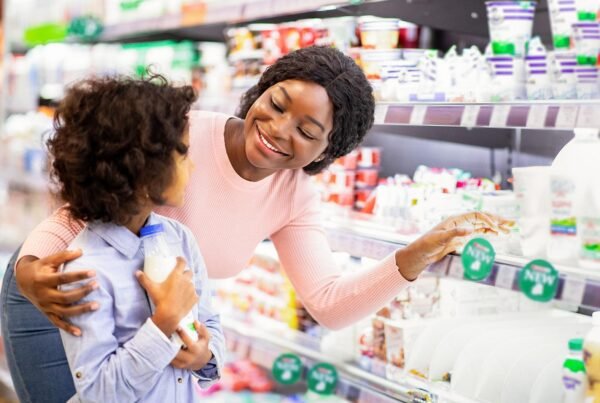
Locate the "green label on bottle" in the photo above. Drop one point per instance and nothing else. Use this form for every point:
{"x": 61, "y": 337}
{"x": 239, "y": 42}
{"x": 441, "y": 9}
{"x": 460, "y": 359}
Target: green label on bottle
{"x": 322, "y": 379}
{"x": 539, "y": 280}
{"x": 478, "y": 259}
{"x": 287, "y": 369}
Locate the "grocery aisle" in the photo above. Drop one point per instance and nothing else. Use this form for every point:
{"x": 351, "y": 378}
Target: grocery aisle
{"x": 480, "y": 106}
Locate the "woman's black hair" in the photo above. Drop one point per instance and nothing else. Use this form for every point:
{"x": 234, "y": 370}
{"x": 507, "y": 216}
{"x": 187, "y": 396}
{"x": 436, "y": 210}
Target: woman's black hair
{"x": 347, "y": 88}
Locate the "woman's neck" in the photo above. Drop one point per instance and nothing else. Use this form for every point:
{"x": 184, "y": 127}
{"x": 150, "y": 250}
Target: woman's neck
{"x": 235, "y": 145}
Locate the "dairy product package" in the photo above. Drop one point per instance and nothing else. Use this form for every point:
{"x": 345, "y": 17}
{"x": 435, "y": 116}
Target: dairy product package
{"x": 563, "y": 77}
{"x": 510, "y": 24}
{"x": 539, "y": 85}
{"x": 563, "y": 14}
{"x": 532, "y": 192}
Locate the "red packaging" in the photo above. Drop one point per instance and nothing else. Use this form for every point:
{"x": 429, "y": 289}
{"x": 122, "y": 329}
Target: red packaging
{"x": 339, "y": 180}
{"x": 290, "y": 38}
{"x": 348, "y": 162}
{"x": 369, "y": 157}
{"x": 340, "y": 198}
{"x": 367, "y": 177}
{"x": 361, "y": 196}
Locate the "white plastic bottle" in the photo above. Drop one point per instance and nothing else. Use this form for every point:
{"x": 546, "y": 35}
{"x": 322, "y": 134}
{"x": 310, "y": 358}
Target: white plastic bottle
{"x": 158, "y": 264}
{"x": 591, "y": 358}
{"x": 574, "y": 164}
{"x": 574, "y": 378}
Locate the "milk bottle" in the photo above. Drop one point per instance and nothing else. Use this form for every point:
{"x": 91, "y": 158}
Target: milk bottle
{"x": 158, "y": 264}
{"x": 591, "y": 358}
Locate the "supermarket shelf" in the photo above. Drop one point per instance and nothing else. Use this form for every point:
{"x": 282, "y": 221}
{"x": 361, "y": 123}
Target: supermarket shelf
{"x": 532, "y": 115}
{"x": 578, "y": 289}
{"x": 25, "y": 181}
{"x": 355, "y": 384}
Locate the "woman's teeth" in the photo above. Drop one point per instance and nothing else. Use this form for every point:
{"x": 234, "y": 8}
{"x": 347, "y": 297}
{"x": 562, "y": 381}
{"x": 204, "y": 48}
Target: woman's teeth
{"x": 269, "y": 145}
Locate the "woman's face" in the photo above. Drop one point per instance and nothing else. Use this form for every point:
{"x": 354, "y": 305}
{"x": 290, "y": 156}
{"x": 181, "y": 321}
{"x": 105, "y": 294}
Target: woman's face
{"x": 174, "y": 194}
{"x": 288, "y": 126}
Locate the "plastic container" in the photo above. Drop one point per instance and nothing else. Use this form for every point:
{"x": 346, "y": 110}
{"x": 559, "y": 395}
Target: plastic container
{"x": 587, "y": 42}
{"x": 575, "y": 165}
{"x": 574, "y": 378}
{"x": 158, "y": 264}
{"x": 380, "y": 33}
{"x": 587, "y": 82}
{"x": 532, "y": 191}
{"x": 563, "y": 15}
{"x": 591, "y": 357}
{"x": 587, "y": 10}
{"x": 563, "y": 77}
{"x": 510, "y": 24}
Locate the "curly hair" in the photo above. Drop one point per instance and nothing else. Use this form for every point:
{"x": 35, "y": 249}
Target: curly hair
{"x": 113, "y": 144}
{"x": 347, "y": 88}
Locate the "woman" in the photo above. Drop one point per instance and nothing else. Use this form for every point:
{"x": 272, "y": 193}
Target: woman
{"x": 311, "y": 107}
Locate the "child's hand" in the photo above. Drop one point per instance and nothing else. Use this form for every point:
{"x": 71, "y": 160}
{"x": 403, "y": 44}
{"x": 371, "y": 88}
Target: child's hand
{"x": 196, "y": 355}
{"x": 173, "y": 298}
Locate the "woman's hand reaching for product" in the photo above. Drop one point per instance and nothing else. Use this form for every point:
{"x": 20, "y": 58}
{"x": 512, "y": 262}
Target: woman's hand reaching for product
{"x": 445, "y": 238}
{"x": 173, "y": 298}
{"x": 38, "y": 281}
{"x": 196, "y": 354}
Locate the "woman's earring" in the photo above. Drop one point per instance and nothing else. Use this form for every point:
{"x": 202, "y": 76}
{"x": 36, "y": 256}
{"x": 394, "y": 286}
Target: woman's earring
{"x": 321, "y": 158}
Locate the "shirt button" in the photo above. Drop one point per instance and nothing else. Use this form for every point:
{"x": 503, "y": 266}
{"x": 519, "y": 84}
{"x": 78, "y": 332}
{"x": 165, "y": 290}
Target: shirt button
{"x": 78, "y": 375}
{"x": 180, "y": 380}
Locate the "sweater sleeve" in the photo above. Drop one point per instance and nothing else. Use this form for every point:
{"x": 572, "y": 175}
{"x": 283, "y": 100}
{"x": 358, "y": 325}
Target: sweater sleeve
{"x": 52, "y": 235}
{"x": 335, "y": 299}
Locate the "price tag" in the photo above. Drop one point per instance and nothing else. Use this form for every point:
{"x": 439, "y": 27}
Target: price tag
{"x": 478, "y": 259}
{"x": 418, "y": 115}
{"x": 380, "y": 114}
{"x": 506, "y": 276}
{"x": 499, "y": 116}
{"x": 537, "y": 116}
{"x": 469, "y": 116}
{"x": 573, "y": 290}
{"x": 539, "y": 280}
{"x": 567, "y": 116}
{"x": 588, "y": 116}
{"x": 322, "y": 379}
{"x": 287, "y": 369}
{"x": 456, "y": 269}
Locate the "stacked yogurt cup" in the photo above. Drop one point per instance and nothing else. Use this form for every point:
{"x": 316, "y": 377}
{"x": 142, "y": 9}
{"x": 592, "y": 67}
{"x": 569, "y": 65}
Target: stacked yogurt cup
{"x": 563, "y": 65}
{"x": 563, "y": 14}
{"x": 586, "y": 35}
{"x": 537, "y": 70}
{"x": 510, "y": 24}
{"x": 508, "y": 78}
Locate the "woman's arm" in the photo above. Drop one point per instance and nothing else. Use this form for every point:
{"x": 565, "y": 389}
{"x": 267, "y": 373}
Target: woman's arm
{"x": 37, "y": 270}
{"x": 337, "y": 300}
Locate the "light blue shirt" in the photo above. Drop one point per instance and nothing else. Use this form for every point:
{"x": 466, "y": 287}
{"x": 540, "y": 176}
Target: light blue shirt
{"x": 121, "y": 355}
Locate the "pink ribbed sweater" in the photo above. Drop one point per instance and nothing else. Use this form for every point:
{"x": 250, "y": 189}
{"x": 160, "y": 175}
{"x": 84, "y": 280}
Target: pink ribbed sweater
{"x": 230, "y": 216}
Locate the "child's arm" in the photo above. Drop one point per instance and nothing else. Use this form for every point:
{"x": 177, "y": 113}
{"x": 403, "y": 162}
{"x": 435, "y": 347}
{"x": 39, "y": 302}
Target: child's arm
{"x": 102, "y": 370}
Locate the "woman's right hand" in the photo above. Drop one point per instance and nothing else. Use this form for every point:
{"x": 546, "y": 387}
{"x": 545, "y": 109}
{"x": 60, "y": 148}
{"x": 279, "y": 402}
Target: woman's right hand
{"x": 173, "y": 298}
{"x": 38, "y": 281}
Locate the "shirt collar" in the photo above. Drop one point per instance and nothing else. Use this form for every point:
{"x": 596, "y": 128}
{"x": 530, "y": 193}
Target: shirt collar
{"x": 119, "y": 237}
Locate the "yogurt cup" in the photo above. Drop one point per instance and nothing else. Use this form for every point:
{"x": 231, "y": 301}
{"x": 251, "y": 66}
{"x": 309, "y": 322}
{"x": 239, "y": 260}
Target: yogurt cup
{"x": 510, "y": 24}
{"x": 563, "y": 14}
{"x": 586, "y": 36}
{"x": 372, "y": 61}
{"x": 587, "y": 10}
{"x": 562, "y": 74}
{"x": 380, "y": 34}
{"x": 587, "y": 82}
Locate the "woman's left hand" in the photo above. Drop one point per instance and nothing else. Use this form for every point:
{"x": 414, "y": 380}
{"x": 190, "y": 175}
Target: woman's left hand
{"x": 445, "y": 238}
{"x": 196, "y": 354}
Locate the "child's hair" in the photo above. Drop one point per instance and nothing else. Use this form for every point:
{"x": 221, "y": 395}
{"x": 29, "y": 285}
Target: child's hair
{"x": 113, "y": 144}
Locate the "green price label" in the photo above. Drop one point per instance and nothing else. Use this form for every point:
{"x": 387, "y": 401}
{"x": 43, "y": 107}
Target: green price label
{"x": 539, "y": 280}
{"x": 287, "y": 369}
{"x": 478, "y": 259}
{"x": 322, "y": 379}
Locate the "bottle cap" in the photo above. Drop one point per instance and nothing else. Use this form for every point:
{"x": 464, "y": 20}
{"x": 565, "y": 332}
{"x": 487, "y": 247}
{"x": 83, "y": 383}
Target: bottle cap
{"x": 576, "y": 344}
{"x": 151, "y": 230}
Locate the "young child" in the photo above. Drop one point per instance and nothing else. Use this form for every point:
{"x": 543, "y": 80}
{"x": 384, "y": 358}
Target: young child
{"x": 119, "y": 151}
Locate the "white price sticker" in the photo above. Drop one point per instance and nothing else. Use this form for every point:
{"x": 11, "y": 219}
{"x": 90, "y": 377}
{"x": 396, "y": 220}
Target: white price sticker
{"x": 588, "y": 116}
{"x": 573, "y": 290}
{"x": 567, "y": 116}
{"x": 499, "y": 115}
{"x": 469, "y": 116}
{"x": 456, "y": 269}
{"x": 417, "y": 116}
{"x": 537, "y": 116}
{"x": 380, "y": 114}
{"x": 506, "y": 276}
